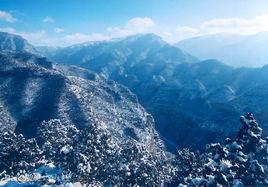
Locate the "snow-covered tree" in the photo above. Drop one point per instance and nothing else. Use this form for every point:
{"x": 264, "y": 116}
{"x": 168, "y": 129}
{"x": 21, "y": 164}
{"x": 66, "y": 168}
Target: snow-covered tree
{"x": 241, "y": 161}
{"x": 17, "y": 154}
{"x": 91, "y": 156}
{"x": 61, "y": 153}
{"x": 57, "y": 141}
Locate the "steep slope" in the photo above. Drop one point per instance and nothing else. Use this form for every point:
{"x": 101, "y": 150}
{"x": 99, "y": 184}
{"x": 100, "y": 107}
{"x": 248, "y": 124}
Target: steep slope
{"x": 62, "y": 123}
{"x": 143, "y": 63}
{"x": 190, "y": 102}
{"x": 234, "y": 50}
{"x": 31, "y": 93}
{"x": 12, "y": 42}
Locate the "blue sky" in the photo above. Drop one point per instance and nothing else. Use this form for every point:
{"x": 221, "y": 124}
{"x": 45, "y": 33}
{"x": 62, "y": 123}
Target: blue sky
{"x": 66, "y": 22}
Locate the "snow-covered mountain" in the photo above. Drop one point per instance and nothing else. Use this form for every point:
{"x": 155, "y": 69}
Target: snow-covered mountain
{"x": 134, "y": 49}
{"x": 12, "y": 42}
{"x": 140, "y": 62}
{"x": 32, "y": 93}
{"x": 190, "y": 100}
{"x": 186, "y": 97}
{"x": 62, "y": 125}
{"x": 234, "y": 50}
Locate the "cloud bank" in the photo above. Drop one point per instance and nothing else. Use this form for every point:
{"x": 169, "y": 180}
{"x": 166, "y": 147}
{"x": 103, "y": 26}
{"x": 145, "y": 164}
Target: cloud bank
{"x": 133, "y": 26}
{"x": 141, "y": 25}
{"x": 225, "y": 26}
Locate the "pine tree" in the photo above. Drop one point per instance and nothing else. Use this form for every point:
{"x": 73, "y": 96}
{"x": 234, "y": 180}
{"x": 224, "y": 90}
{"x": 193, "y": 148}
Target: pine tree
{"x": 237, "y": 162}
{"x": 18, "y": 154}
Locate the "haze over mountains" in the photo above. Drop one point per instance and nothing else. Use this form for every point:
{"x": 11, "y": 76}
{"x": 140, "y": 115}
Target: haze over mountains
{"x": 190, "y": 100}
{"x": 76, "y": 109}
{"x": 232, "y": 49}
{"x": 125, "y": 93}
{"x": 187, "y": 97}
{"x": 36, "y": 94}
{"x": 34, "y": 89}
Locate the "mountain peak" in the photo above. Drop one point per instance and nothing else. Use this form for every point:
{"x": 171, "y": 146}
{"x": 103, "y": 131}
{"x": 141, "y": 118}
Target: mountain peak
{"x": 144, "y": 37}
{"x": 13, "y": 42}
{"x": 7, "y": 34}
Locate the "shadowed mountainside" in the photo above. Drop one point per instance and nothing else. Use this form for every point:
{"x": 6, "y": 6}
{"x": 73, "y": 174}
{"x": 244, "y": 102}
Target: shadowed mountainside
{"x": 191, "y": 101}
{"x": 31, "y": 93}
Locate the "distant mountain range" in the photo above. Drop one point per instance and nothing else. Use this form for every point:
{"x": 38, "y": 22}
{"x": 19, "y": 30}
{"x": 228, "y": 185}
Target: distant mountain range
{"x": 232, "y": 49}
{"x": 193, "y": 102}
{"x": 33, "y": 90}
{"x": 190, "y": 100}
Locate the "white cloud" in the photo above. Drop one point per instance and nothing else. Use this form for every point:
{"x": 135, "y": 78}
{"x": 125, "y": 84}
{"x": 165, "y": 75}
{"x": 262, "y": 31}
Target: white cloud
{"x": 139, "y": 22}
{"x": 213, "y": 26}
{"x": 5, "y": 16}
{"x": 48, "y": 19}
{"x": 133, "y": 26}
{"x": 220, "y": 25}
{"x": 224, "y": 22}
{"x": 146, "y": 25}
{"x": 236, "y": 25}
{"x": 233, "y": 25}
{"x": 58, "y": 30}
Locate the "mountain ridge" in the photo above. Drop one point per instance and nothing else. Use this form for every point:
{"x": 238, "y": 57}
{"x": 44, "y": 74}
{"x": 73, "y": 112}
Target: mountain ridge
{"x": 39, "y": 84}
{"x": 184, "y": 95}
{"x": 13, "y": 42}
{"x": 232, "y": 49}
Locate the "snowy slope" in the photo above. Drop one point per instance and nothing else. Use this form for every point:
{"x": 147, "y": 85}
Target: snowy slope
{"x": 31, "y": 93}
{"x": 12, "y": 42}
